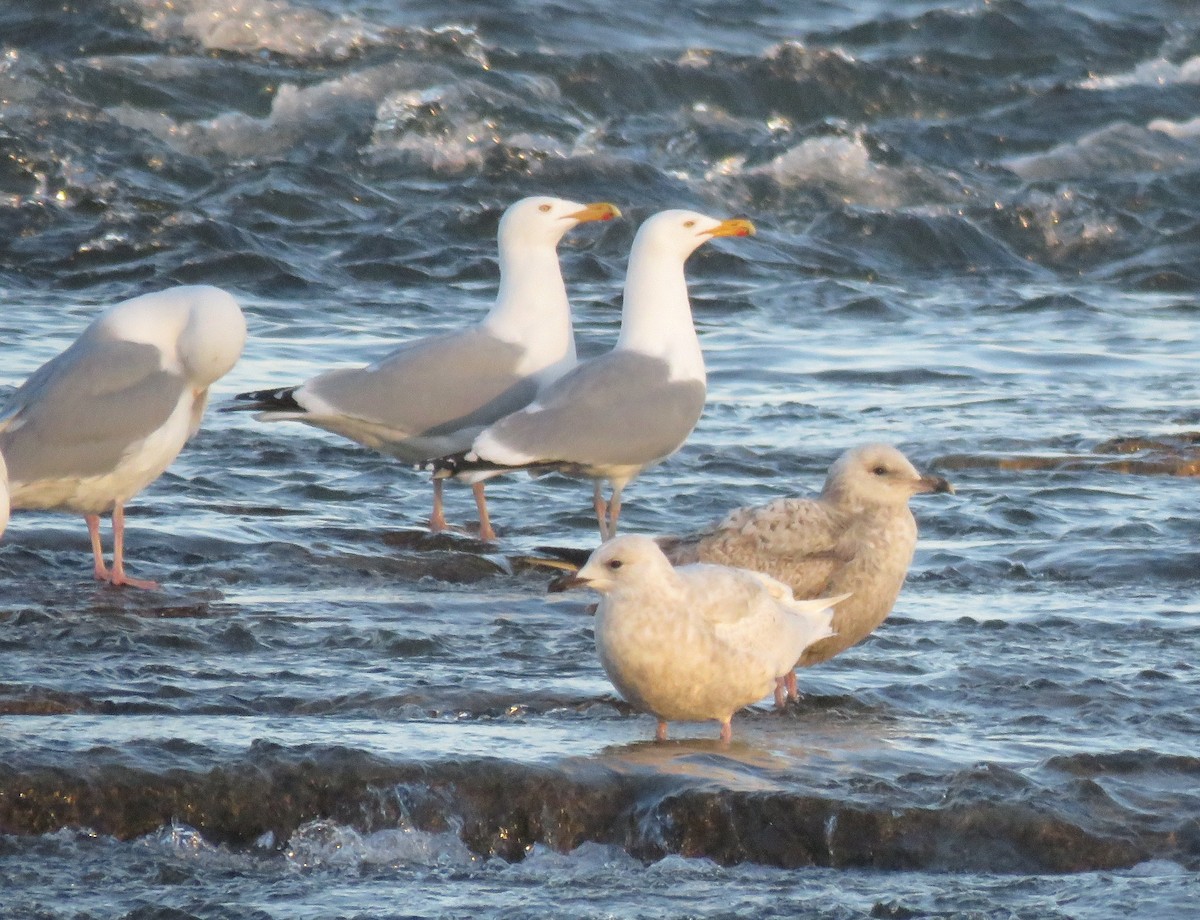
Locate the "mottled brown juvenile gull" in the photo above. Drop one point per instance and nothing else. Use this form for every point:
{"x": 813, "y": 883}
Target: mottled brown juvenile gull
{"x": 432, "y": 396}
{"x": 97, "y": 424}
{"x": 697, "y": 642}
{"x": 615, "y": 415}
{"x": 857, "y": 537}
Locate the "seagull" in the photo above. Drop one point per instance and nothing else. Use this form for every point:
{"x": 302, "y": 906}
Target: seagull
{"x": 615, "y": 415}
{"x": 696, "y": 642}
{"x": 432, "y": 396}
{"x": 857, "y": 536}
{"x": 95, "y": 425}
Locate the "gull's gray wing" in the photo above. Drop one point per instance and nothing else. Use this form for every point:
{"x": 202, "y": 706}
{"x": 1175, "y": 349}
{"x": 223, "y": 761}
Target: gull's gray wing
{"x": 620, "y": 409}
{"x": 78, "y": 413}
{"x": 429, "y": 389}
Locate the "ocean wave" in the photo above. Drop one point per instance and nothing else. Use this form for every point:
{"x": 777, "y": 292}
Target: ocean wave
{"x": 843, "y": 167}
{"x": 259, "y": 25}
{"x": 1156, "y": 72}
{"x": 1121, "y": 149}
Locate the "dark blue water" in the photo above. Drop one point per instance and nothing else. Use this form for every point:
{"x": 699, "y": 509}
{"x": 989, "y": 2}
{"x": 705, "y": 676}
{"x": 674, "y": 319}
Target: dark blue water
{"x": 979, "y": 239}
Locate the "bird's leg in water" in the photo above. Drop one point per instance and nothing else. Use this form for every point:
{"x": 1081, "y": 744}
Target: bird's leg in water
{"x": 117, "y": 576}
{"x": 485, "y": 520}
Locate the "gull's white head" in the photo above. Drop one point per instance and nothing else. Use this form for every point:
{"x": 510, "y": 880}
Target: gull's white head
{"x": 623, "y": 562}
{"x": 199, "y": 329}
{"x": 878, "y": 474}
{"x": 542, "y": 221}
{"x": 680, "y": 233}
{"x": 213, "y": 335}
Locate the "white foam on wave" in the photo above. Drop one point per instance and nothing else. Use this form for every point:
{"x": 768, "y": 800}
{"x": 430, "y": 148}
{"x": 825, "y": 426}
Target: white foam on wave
{"x": 1176, "y": 129}
{"x": 1115, "y": 149}
{"x": 297, "y": 113}
{"x": 411, "y": 108}
{"x": 329, "y": 844}
{"x": 1066, "y": 224}
{"x": 842, "y": 165}
{"x": 183, "y": 842}
{"x": 1156, "y": 72}
{"x": 456, "y": 126}
{"x": 258, "y": 25}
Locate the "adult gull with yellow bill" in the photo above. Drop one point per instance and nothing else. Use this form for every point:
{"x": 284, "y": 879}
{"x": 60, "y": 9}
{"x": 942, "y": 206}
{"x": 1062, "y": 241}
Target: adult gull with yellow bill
{"x": 615, "y": 415}
{"x": 432, "y": 396}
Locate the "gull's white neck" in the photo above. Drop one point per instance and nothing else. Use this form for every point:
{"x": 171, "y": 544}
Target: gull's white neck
{"x": 656, "y": 318}
{"x": 531, "y": 307}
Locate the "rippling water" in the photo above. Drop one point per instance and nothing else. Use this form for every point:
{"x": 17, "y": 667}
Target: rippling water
{"x": 978, "y": 239}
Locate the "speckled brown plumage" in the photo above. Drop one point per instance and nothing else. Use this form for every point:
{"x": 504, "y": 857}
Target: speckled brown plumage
{"x": 857, "y": 536}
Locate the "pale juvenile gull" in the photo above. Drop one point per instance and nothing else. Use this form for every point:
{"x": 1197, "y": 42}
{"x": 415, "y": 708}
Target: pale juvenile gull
{"x": 696, "y": 642}
{"x": 615, "y": 415}
{"x": 95, "y": 425}
{"x": 858, "y": 537}
{"x": 432, "y": 396}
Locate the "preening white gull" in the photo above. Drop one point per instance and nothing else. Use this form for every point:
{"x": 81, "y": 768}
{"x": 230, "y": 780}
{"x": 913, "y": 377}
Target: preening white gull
{"x": 858, "y": 537}
{"x": 95, "y": 425}
{"x": 615, "y": 415}
{"x": 697, "y": 642}
{"x": 432, "y": 396}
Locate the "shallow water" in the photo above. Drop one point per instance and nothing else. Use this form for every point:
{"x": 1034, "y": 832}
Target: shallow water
{"x": 977, "y": 239}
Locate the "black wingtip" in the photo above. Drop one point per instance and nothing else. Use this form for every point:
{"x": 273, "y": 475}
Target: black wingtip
{"x": 280, "y": 399}
{"x": 443, "y": 467}
{"x": 573, "y": 555}
{"x": 465, "y": 461}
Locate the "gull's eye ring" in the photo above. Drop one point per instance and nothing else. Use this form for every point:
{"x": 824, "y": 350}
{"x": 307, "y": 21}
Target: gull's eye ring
{"x": 544, "y": 208}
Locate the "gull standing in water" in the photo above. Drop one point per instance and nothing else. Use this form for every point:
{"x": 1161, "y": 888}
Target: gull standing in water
{"x": 432, "y": 396}
{"x": 615, "y": 415}
{"x": 857, "y": 536}
{"x": 697, "y": 642}
{"x": 97, "y": 424}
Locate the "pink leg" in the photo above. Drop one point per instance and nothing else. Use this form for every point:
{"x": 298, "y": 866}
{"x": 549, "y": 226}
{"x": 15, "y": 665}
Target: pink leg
{"x": 660, "y": 733}
{"x": 601, "y": 507}
{"x": 99, "y": 569}
{"x": 727, "y": 731}
{"x": 437, "y": 518}
{"x": 118, "y": 576}
{"x": 790, "y": 682}
{"x": 485, "y": 519}
{"x": 780, "y": 694}
{"x": 614, "y": 512}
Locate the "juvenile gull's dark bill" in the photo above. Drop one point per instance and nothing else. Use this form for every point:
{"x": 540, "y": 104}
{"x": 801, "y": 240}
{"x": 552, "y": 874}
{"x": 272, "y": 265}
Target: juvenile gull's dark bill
{"x": 95, "y": 425}
{"x": 857, "y": 537}
{"x": 697, "y": 642}
{"x": 432, "y": 396}
{"x": 615, "y": 415}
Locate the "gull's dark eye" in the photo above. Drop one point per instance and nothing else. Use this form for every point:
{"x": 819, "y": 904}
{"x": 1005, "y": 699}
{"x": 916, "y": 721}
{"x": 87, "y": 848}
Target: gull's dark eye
{"x": 544, "y": 208}
{"x": 689, "y": 223}
{"x": 880, "y": 471}
{"x": 615, "y": 564}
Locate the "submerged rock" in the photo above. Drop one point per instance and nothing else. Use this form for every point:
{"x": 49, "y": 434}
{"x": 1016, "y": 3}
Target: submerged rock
{"x": 503, "y": 809}
{"x": 1173, "y": 455}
